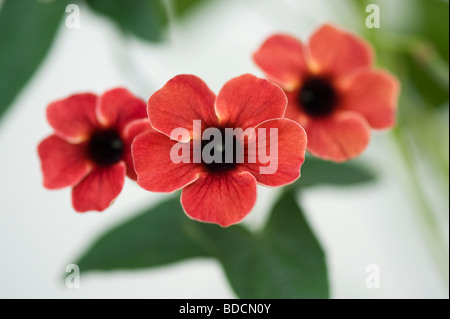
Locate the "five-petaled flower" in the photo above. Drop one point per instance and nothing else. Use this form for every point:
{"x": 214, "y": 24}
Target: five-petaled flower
{"x": 216, "y": 192}
{"x": 333, "y": 91}
{"x": 90, "y": 149}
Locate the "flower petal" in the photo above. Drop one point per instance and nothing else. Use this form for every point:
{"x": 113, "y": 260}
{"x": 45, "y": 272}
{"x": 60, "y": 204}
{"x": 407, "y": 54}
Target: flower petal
{"x": 180, "y": 101}
{"x": 73, "y": 118}
{"x": 246, "y": 101}
{"x": 294, "y": 110}
{"x": 130, "y": 132}
{"x": 98, "y": 190}
{"x": 155, "y": 170}
{"x": 118, "y": 107}
{"x": 374, "y": 94}
{"x": 285, "y": 154}
{"x": 339, "y": 138}
{"x": 223, "y": 199}
{"x": 281, "y": 57}
{"x": 335, "y": 52}
{"x": 63, "y": 164}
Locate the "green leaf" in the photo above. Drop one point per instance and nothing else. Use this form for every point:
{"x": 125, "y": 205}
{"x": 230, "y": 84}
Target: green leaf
{"x": 434, "y": 24}
{"x": 144, "y": 18}
{"x": 420, "y": 73}
{"x": 319, "y": 172}
{"x": 282, "y": 261}
{"x": 181, "y": 7}
{"x": 285, "y": 260}
{"x": 427, "y": 61}
{"x": 157, "y": 237}
{"x": 27, "y": 29}
{"x": 292, "y": 240}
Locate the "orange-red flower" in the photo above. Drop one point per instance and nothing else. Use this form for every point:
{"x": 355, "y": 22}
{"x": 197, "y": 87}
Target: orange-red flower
{"x": 217, "y": 192}
{"x": 332, "y": 88}
{"x": 91, "y": 148}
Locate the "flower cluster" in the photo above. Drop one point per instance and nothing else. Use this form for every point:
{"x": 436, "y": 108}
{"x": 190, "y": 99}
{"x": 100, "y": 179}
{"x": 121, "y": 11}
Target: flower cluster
{"x": 322, "y": 97}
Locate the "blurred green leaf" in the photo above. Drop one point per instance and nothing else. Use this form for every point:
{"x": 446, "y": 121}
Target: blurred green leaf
{"x": 157, "y": 237}
{"x": 429, "y": 22}
{"x": 285, "y": 260}
{"x": 27, "y": 29}
{"x": 429, "y": 58}
{"x": 181, "y": 7}
{"x": 147, "y": 19}
{"x": 433, "y": 24}
{"x": 319, "y": 172}
{"x": 144, "y": 18}
{"x": 419, "y": 47}
{"x": 420, "y": 73}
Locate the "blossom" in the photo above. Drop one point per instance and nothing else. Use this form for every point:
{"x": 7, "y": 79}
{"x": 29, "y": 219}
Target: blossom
{"x": 332, "y": 89}
{"x": 90, "y": 149}
{"x": 217, "y": 192}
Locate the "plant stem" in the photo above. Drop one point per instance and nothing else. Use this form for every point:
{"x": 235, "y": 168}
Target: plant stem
{"x": 427, "y": 218}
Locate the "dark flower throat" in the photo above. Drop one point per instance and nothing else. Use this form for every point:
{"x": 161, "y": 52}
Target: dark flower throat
{"x": 317, "y": 97}
{"x": 105, "y": 147}
{"x": 221, "y": 166}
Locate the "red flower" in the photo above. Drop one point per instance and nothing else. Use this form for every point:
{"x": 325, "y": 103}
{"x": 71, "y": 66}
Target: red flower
{"x": 91, "y": 147}
{"x": 332, "y": 89}
{"x": 221, "y": 193}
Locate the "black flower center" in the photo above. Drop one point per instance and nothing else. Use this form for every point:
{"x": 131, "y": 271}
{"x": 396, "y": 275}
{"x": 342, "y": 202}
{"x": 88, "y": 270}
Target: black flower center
{"x": 216, "y": 148}
{"x": 317, "y": 97}
{"x": 105, "y": 147}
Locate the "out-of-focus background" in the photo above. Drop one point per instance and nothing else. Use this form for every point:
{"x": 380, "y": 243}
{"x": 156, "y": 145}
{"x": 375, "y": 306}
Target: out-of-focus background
{"x": 399, "y": 222}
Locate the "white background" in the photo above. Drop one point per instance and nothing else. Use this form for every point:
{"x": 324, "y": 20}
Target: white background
{"x": 40, "y": 233}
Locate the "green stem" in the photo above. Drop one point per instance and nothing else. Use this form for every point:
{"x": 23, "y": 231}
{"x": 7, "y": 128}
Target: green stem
{"x": 433, "y": 233}
{"x": 393, "y": 46}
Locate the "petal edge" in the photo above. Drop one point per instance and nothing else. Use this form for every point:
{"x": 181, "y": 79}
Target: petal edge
{"x": 73, "y": 118}
{"x": 373, "y": 94}
{"x": 223, "y": 200}
{"x": 179, "y": 102}
{"x": 349, "y": 52}
{"x": 155, "y": 170}
{"x": 98, "y": 190}
{"x": 119, "y": 107}
{"x": 290, "y": 141}
{"x": 246, "y": 101}
{"x": 340, "y": 138}
{"x": 63, "y": 164}
{"x": 281, "y": 57}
